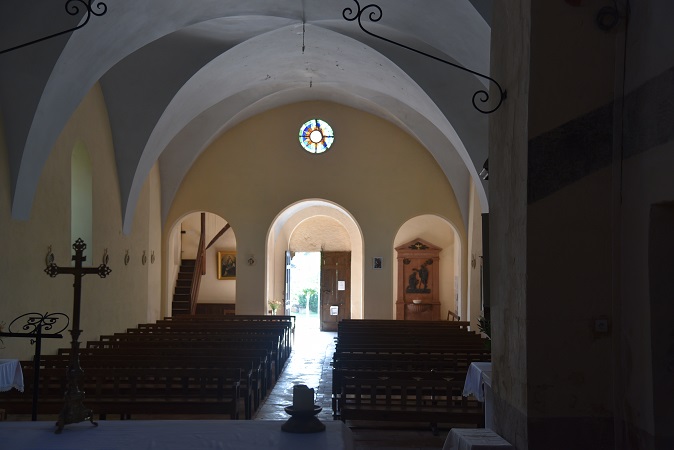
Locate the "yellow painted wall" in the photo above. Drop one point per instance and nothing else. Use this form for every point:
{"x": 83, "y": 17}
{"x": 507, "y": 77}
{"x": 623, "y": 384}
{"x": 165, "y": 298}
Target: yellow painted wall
{"x": 130, "y": 294}
{"x": 376, "y": 172}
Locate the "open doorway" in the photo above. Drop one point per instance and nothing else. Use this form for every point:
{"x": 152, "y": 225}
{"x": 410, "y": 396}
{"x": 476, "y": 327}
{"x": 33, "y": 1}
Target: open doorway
{"x": 305, "y": 288}
{"x": 313, "y": 226}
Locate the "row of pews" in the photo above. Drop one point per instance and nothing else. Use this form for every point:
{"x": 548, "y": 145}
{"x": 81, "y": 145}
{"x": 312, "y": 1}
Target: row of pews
{"x": 183, "y": 365}
{"x": 406, "y": 371}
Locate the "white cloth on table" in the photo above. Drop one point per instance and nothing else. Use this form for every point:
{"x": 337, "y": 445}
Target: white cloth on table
{"x": 171, "y": 435}
{"x": 478, "y": 373}
{"x": 475, "y": 439}
{"x": 11, "y": 375}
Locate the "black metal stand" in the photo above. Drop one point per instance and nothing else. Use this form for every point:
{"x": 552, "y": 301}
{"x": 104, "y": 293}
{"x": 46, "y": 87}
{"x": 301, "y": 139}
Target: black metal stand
{"x": 34, "y": 324}
{"x": 74, "y": 410}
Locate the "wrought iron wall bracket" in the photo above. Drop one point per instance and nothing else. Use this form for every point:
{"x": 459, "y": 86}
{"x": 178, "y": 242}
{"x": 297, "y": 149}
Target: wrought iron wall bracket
{"x": 375, "y": 14}
{"x": 73, "y": 8}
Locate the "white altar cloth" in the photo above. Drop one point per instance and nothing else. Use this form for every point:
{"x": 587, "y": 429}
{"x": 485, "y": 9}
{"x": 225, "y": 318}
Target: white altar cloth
{"x": 171, "y": 435}
{"x": 11, "y": 375}
{"x": 478, "y": 383}
{"x": 475, "y": 439}
{"x": 478, "y": 374}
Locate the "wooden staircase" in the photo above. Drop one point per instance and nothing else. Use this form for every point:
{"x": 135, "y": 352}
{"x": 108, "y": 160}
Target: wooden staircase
{"x": 181, "y": 295}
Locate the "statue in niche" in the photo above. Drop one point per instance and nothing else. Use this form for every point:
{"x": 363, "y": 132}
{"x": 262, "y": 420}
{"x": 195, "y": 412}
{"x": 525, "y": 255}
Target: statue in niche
{"x": 413, "y": 281}
{"x": 423, "y": 275}
{"x": 419, "y": 285}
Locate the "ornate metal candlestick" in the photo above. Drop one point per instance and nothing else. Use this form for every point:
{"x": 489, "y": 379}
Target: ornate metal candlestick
{"x": 74, "y": 410}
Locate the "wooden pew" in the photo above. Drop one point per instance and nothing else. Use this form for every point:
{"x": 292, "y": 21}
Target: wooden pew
{"x": 248, "y": 387}
{"x": 216, "y": 308}
{"x": 454, "y": 366}
{"x": 137, "y": 391}
{"x": 277, "y": 330}
{"x": 408, "y": 399}
{"x": 258, "y": 345}
{"x": 406, "y": 348}
{"x": 283, "y": 326}
{"x": 242, "y": 318}
{"x": 391, "y": 349}
{"x": 204, "y": 344}
{"x": 349, "y": 324}
{"x": 258, "y": 358}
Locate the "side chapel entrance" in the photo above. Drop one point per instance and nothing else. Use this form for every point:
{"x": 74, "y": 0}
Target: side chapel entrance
{"x": 335, "y": 298}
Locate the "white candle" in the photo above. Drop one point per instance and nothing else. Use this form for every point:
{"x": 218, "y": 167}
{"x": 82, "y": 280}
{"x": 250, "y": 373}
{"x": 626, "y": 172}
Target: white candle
{"x": 303, "y": 398}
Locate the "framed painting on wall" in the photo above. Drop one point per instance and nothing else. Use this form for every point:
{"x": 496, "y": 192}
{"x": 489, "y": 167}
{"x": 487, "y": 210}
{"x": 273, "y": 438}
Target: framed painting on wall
{"x": 226, "y": 265}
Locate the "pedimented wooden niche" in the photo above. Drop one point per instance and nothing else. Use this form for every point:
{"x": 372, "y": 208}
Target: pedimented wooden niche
{"x": 418, "y": 281}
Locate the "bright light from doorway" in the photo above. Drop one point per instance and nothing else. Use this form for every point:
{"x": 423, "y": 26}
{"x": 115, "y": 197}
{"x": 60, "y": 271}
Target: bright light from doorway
{"x": 305, "y": 281}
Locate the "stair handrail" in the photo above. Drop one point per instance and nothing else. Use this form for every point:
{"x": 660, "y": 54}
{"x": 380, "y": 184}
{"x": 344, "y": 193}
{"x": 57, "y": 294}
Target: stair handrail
{"x": 199, "y": 267}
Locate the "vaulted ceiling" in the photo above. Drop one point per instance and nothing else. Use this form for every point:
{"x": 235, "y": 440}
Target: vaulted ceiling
{"x": 176, "y": 74}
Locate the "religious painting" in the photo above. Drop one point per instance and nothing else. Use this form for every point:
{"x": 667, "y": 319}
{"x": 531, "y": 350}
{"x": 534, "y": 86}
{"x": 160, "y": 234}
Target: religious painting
{"x": 226, "y": 265}
{"x": 418, "y": 281}
{"x": 377, "y": 262}
{"x": 418, "y": 277}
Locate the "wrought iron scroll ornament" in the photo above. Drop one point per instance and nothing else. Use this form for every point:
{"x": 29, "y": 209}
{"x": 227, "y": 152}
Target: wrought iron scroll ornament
{"x": 73, "y": 8}
{"x": 375, "y": 14}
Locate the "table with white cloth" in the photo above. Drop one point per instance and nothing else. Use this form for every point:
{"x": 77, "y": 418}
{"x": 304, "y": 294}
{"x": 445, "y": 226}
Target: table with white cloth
{"x": 478, "y": 383}
{"x": 475, "y": 439}
{"x": 475, "y": 378}
{"x": 11, "y": 375}
{"x": 171, "y": 435}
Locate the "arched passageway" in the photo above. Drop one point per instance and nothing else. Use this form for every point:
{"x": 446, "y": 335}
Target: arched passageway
{"x": 314, "y": 226}
{"x": 219, "y": 240}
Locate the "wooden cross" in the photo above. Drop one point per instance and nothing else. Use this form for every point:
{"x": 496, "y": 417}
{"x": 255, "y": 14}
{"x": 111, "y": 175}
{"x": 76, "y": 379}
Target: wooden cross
{"x": 74, "y": 410}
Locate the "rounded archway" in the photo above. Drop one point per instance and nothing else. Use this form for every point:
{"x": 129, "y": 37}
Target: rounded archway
{"x": 442, "y": 234}
{"x": 216, "y": 289}
{"x": 308, "y": 218}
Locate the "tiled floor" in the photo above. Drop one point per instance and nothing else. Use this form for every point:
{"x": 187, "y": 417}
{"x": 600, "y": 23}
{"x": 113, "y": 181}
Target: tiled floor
{"x": 310, "y": 365}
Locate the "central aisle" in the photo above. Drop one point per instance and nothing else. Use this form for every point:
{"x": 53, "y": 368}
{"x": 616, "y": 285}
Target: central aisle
{"x": 309, "y": 364}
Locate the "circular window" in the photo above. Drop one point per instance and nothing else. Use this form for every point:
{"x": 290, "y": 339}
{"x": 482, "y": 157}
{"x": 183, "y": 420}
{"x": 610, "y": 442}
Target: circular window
{"x": 316, "y": 136}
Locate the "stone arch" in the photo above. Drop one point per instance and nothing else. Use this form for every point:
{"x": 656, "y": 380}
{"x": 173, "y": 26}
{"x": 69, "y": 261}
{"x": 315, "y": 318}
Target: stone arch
{"x": 183, "y": 246}
{"x": 444, "y": 234}
{"x": 280, "y": 234}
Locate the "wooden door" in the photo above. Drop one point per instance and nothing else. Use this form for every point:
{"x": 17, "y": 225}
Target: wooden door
{"x": 286, "y": 296}
{"x": 335, "y": 289}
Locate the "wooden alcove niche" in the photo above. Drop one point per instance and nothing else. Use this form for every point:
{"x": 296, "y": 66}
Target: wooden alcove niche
{"x": 418, "y": 279}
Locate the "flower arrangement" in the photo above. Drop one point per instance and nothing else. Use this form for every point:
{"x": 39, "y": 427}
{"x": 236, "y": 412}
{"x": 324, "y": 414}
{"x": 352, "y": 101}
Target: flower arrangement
{"x": 274, "y": 305}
